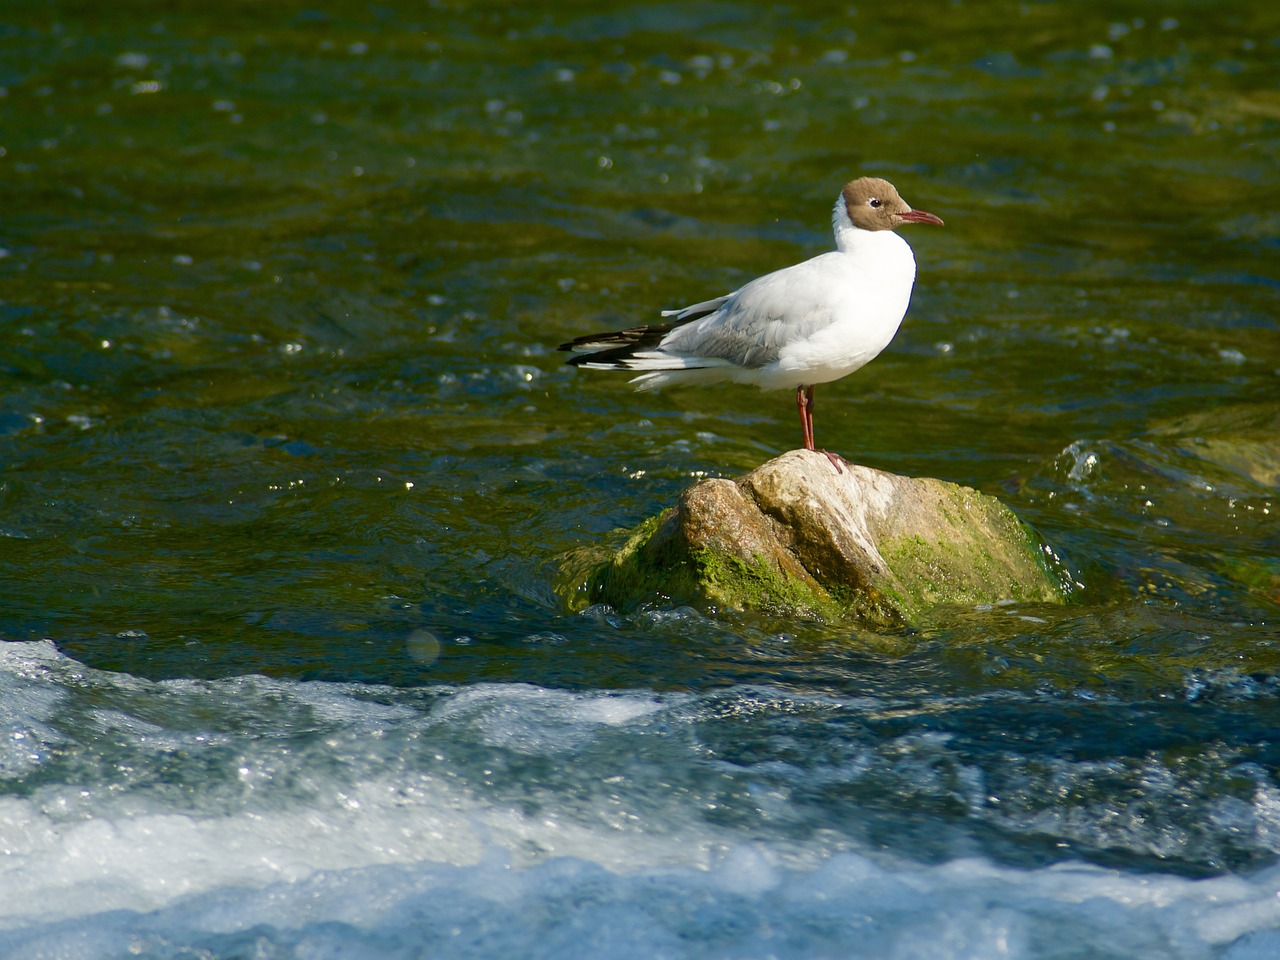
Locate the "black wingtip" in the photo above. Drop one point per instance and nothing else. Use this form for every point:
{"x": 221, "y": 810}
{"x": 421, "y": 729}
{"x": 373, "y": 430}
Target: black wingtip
{"x": 617, "y": 345}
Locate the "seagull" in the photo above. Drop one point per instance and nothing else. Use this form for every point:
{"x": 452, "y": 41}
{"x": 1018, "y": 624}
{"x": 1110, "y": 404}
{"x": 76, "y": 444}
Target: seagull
{"x": 806, "y": 324}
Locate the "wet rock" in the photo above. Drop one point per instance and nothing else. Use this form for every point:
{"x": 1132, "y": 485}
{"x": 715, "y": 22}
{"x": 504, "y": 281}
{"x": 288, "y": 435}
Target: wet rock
{"x": 795, "y": 537}
{"x": 1237, "y": 456}
{"x": 1241, "y": 438}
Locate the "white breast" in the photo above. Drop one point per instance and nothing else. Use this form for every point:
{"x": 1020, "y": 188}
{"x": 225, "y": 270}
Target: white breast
{"x": 860, "y": 299}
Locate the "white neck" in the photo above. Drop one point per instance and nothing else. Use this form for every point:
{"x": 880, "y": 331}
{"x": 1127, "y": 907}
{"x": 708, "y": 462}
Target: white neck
{"x": 884, "y": 247}
{"x": 846, "y": 232}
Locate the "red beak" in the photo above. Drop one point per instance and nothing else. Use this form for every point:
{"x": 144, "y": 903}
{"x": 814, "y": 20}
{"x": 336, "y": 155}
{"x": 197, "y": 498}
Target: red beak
{"x": 919, "y": 216}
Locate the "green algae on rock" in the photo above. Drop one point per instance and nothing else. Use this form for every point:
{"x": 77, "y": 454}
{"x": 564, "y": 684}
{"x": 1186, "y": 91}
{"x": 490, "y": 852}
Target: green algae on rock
{"x": 795, "y": 537}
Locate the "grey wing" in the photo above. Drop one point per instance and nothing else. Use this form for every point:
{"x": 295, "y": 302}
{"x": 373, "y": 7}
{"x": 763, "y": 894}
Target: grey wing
{"x": 697, "y": 310}
{"x": 751, "y": 326}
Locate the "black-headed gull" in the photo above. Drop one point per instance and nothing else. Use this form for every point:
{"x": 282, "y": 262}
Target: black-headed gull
{"x": 810, "y": 323}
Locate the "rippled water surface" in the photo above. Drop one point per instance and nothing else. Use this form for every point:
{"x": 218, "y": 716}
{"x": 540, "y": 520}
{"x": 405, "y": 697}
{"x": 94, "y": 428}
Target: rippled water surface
{"x": 289, "y": 465}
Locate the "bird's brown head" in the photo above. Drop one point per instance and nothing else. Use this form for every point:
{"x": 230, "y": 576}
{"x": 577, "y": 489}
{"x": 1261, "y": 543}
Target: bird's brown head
{"x": 874, "y": 204}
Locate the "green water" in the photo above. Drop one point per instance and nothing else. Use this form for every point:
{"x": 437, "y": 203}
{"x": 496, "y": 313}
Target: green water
{"x": 282, "y": 287}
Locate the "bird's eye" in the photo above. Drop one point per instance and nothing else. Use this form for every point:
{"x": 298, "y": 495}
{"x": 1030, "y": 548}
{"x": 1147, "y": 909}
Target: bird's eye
{"x": 873, "y": 203}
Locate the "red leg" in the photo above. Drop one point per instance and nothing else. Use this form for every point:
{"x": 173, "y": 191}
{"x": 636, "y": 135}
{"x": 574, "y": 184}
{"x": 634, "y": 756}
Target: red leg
{"x": 835, "y": 458}
{"x": 808, "y": 415}
{"x": 804, "y": 403}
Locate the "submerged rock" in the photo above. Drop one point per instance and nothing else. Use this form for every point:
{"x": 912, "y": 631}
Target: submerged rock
{"x": 1237, "y": 449}
{"x": 795, "y": 537}
{"x": 1242, "y": 438}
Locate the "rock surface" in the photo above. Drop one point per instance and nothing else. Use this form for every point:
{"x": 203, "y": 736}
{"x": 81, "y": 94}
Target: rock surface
{"x": 1238, "y": 452}
{"x": 1242, "y": 438}
{"x": 795, "y": 537}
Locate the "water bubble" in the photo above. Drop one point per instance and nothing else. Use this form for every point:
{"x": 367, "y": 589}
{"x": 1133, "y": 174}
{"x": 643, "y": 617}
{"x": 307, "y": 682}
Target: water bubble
{"x": 546, "y": 638}
{"x": 1085, "y": 461}
{"x": 422, "y": 646}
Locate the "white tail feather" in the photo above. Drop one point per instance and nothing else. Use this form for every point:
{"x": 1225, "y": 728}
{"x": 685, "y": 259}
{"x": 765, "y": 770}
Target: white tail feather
{"x": 653, "y": 360}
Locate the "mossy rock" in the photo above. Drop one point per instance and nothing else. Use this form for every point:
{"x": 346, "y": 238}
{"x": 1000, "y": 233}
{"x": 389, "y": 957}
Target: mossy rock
{"x": 794, "y": 537}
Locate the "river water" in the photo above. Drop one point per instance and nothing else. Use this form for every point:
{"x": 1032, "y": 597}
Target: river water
{"x": 293, "y": 665}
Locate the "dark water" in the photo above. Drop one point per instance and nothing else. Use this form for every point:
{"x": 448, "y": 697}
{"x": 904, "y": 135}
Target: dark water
{"x": 289, "y": 461}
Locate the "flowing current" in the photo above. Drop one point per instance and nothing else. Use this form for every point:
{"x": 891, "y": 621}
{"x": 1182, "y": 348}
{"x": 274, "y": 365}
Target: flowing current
{"x": 255, "y": 817}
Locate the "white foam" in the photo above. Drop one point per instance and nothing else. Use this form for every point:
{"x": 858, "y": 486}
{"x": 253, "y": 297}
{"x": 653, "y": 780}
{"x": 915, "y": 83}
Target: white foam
{"x": 343, "y": 799}
{"x": 260, "y": 817}
{"x": 535, "y": 720}
{"x": 742, "y": 906}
